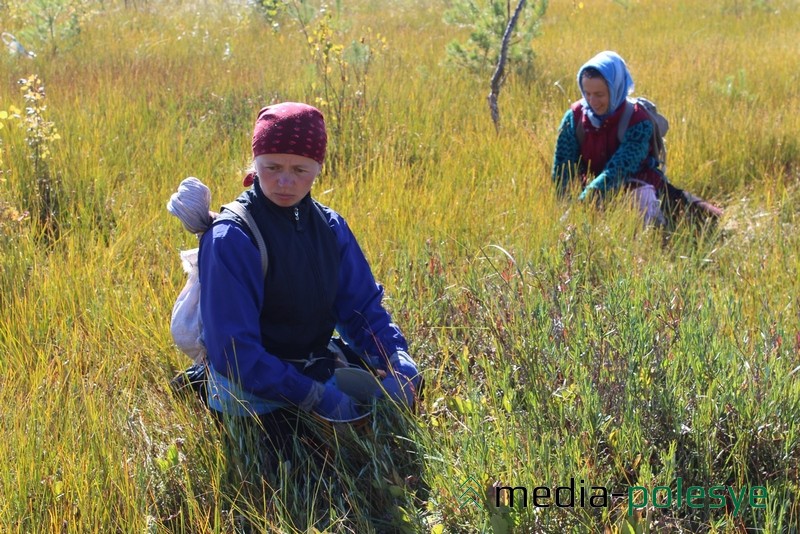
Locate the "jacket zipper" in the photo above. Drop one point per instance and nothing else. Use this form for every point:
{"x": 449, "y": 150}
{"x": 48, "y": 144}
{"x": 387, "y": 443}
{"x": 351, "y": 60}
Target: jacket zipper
{"x": 313, "y": 256}
{"x": 297, "y": 224}
{"x": 311, "y": 253}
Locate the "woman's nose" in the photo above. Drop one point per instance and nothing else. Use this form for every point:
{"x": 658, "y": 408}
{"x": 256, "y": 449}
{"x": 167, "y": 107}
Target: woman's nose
{"x": 284, "y": 179}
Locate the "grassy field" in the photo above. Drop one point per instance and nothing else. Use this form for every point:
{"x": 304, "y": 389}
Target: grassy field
{"x": 558, "y": 342}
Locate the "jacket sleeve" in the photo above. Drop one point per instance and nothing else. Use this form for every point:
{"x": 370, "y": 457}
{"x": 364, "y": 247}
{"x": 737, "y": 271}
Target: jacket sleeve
{"x": 628, "y": 158}
{"x": 362, "y": 321}
{"x": 567, "y": 154}
{"x": 231, "y": 296}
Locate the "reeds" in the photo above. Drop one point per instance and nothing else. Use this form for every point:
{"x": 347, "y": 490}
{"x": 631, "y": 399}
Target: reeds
{"x": 558, "y": 341}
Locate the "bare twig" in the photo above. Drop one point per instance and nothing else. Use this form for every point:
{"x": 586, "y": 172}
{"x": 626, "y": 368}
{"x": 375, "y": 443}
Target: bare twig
{"x": 499, "y": 77}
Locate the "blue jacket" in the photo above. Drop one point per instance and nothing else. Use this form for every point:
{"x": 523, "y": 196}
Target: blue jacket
{"x": 317, "y": 279}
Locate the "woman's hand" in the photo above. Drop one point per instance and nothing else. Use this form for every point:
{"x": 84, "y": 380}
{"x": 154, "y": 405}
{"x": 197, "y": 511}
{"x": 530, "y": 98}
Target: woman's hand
{"x": 337, "y": 406}
{"x": 399, "y": 389}
{"x": 595, "y": 189}
{"x": 590, "y": 193}
{"x": 403, "y": 379}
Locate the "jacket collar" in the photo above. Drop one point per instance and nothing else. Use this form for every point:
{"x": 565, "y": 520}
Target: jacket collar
{"x": 289, "y": 212}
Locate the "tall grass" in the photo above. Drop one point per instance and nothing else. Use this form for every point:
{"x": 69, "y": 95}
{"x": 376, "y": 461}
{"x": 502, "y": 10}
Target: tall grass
{"x": 558, "y": 341}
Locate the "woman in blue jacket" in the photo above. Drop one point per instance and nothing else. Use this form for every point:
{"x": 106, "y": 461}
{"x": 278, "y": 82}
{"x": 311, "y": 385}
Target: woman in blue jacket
{"x": 267, "y": 338}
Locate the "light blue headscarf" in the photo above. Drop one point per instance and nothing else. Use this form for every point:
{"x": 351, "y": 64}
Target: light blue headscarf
{"x": 618, "y": 79}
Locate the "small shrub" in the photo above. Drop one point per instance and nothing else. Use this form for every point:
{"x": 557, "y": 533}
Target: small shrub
{"x": 487, "y": 20}
{"x": 40, "y": 133}
{"x": 54, "y": 23}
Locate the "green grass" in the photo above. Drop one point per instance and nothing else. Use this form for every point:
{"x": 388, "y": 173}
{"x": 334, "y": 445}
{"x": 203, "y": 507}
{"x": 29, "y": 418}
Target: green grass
{"x": 557, "y": 341}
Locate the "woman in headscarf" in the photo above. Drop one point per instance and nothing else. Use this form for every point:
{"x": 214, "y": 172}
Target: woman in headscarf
{"x": 270, "y": 354}
{"x": 591, "y": 150}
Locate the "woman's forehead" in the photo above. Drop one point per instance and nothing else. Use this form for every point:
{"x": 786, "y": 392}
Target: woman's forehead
{"x": 284, "y": 159}
{"x": 594, "y": 85}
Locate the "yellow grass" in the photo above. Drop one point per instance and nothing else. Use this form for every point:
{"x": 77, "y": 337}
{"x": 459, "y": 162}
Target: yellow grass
{"x": 147, "y": 96}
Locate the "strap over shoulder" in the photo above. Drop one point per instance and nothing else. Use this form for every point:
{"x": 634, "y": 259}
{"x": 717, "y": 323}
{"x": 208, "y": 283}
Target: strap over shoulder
{"x": 577, "y": 122}
{"x": 238, "y": 209}
{"x": 625, "y": 120}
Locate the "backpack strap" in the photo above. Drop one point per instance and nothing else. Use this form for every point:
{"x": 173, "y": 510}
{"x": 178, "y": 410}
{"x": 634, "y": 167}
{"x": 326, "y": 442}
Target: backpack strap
{"x": 239, "y": 209}
{"x": 577, "y": 119}
{"x": 625, "y": 120}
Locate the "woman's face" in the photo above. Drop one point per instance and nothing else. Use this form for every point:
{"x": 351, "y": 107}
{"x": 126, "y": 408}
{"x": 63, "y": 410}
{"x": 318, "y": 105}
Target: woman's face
{"x": 595, "y": 91}
{"x": 286, "y": 178}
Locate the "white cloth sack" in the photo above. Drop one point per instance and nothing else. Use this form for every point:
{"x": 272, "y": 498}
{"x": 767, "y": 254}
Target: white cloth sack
{"x": 186, "y": 325}
{"x": 645, "y": 199}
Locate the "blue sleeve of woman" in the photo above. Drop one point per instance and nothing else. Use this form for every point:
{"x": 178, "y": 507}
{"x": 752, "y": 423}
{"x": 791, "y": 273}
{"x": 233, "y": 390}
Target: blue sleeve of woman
{"x": 362, "y": 321}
